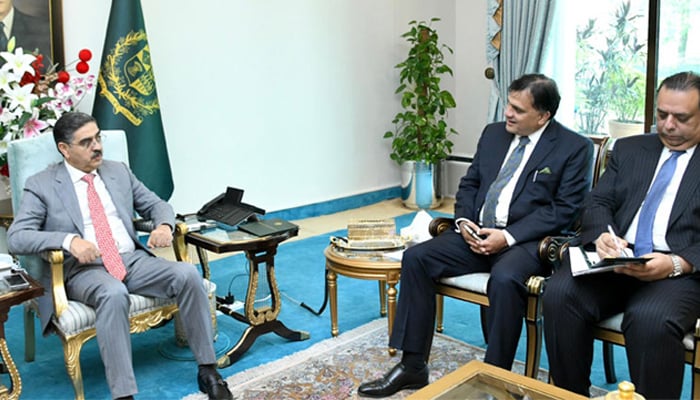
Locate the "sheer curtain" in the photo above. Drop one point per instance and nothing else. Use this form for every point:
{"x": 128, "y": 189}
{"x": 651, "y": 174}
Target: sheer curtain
{"x": 517, "y": 33}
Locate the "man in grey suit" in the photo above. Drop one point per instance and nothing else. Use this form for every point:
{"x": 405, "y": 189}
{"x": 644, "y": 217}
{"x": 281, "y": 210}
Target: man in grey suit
{"x": 512, "y": 205}
{"x": 57, "y": 211}
{"x": 661, "y": 298}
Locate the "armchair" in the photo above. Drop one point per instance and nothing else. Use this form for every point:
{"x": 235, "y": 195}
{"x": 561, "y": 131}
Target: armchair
{"x": 472, "y": 287}
{"x": 73, "y": 322}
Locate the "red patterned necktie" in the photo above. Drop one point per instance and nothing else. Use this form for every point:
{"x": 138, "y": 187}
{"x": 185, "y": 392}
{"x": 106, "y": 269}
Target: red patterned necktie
{"x": 105, "y": 241}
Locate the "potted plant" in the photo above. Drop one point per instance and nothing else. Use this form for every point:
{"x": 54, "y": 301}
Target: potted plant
{"x": 610, "y": 78}
{"x": 420, "y": 139}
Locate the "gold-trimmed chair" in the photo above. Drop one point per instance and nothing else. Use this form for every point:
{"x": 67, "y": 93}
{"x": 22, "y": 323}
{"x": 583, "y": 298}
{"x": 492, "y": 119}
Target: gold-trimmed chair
{"x": 609, "y": 331}
{"x": 472, "y": 287}
{"x": 74, "y": 322}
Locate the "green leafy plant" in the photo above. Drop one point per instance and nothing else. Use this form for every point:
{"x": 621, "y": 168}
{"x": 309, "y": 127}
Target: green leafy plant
{"x": 610, "y": 77}
{"x": 421, "y": 133}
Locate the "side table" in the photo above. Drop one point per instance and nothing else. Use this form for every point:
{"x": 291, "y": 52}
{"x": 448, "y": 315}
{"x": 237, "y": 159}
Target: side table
{"x": 369, "y": 265}
{"x": 258, "y": 250}
{"x": 7, "y": 301}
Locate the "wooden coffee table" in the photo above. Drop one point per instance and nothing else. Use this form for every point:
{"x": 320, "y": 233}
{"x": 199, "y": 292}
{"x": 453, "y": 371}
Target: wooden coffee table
{"x": 363, "y": 265}
{"x": 480, "y": 380}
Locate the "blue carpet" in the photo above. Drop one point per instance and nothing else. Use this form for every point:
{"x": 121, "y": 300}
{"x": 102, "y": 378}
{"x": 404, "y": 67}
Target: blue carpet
{"x": 300, "y": 274}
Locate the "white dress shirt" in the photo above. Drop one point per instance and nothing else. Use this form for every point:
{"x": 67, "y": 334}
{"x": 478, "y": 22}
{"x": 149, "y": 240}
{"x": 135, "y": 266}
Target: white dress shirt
{"x": 121, "y": 235}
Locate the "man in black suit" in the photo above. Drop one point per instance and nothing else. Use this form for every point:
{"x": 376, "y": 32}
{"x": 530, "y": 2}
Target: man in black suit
{"x": 513, "y": 207}
{"x": 30, "y": 33}
{"x": 660, "y": 299}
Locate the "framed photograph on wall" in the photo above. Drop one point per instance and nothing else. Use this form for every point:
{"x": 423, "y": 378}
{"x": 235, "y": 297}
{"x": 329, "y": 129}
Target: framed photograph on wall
{"x": 37, "y": 25}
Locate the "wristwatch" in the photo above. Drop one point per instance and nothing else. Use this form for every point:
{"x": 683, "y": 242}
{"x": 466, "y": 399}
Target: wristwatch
{"x": 677, "y": 267}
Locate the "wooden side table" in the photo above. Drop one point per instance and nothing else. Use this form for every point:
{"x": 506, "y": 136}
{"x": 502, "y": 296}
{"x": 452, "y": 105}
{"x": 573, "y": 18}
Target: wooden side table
{"x": 363, "y": 265}
{"x": 7, "y": 301}
{"x": 259, "y": 251}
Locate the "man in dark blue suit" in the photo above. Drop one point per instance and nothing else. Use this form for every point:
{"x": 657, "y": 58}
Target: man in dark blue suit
{"x": 660, "y": 299}
{"x": 513, "y": 205}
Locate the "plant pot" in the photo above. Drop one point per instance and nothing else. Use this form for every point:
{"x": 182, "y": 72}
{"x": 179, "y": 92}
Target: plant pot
{"x": 620, "y": 129}
{"x": 421, "y": 186}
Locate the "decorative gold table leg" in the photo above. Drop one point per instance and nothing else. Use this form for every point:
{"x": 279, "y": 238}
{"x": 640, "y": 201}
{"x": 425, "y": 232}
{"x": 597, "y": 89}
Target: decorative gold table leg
{"x": 332, "y": 282}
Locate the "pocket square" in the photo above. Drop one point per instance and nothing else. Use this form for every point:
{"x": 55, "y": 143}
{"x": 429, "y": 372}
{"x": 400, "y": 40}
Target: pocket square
{"x": 545, "y": 171}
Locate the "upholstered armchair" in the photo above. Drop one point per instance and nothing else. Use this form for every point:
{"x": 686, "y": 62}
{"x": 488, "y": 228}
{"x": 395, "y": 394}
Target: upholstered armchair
{"x": 74, "y": 322}
{"x": 472, "y": 287}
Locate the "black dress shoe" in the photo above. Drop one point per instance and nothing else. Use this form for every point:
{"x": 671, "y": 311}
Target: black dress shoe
{"x": 397, "y": 379}
{"x": 211, "y": 383}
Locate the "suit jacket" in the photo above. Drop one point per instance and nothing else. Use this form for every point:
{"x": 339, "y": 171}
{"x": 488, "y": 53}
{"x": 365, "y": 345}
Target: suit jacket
{"x": 49, "y": 211}
{"x": 550, "y": 190}
{"x": 622, "y": 188}
{"x": 32, "y": 33}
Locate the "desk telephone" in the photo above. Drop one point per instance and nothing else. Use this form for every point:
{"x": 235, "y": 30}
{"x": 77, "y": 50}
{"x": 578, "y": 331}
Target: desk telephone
{"x": 227, "y": 208}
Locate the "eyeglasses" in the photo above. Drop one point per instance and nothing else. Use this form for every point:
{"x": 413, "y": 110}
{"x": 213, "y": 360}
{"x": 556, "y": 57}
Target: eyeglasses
{"x": 87, "y": 143}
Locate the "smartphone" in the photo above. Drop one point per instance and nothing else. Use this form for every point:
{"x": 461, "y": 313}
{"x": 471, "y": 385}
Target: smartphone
{"x": 473, "y": 233}
{"x": 16, "y": 281}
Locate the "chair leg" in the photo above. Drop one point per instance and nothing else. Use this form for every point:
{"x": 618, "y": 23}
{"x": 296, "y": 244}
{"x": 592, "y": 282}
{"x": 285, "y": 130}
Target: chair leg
{"x": 534, "y": 347}
{"x": 439, "y": 304}
{"x": 71, "y": 354}
{"x": 609, "y": 362}
{"x": 484, "y": 324}
{"x": 29, "y": 336}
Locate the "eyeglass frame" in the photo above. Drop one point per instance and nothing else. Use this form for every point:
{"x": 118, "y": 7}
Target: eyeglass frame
{"x": 87, "y": 143}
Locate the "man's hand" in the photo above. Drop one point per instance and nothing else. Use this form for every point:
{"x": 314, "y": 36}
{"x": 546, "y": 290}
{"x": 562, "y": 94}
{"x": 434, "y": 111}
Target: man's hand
{"x": 84, "y": 251}
{"x": 162, "y": 236}
{"x": 495, "y": 241}
{"x": 608, "y": 245}
{"x": 658, "y": 267}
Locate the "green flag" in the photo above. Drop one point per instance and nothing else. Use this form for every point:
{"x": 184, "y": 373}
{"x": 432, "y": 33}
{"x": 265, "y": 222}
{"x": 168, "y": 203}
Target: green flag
{"x": 126, "y": 96}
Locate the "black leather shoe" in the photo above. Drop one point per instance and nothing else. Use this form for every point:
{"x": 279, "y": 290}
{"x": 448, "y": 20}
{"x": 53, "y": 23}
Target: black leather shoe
{"x": 211, "y": 383}
{"x": 397, "y": 379}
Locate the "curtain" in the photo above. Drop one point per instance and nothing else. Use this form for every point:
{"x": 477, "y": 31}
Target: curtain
{"x": 516, "y": 35}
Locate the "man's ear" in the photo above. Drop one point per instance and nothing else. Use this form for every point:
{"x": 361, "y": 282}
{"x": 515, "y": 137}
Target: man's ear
{"x": 63, "y": 149}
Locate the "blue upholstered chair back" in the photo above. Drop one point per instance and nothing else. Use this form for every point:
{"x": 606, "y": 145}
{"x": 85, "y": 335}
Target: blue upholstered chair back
{"x": 26, "y": 157}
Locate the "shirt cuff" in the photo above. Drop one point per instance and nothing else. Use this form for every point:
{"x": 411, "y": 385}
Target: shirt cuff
{"x": 67, "y": 240}
{"x": 509, "y": 239}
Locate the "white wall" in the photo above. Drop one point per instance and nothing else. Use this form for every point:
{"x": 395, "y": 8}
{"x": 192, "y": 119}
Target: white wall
{"x": 288, "y": 99}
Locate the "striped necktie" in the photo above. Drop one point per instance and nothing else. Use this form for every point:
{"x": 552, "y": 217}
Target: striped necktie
{"x": 504, "y": 176}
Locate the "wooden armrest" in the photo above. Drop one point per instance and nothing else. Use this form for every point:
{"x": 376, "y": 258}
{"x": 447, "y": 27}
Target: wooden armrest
{"x": 179, "y": 245}
{"x": 60, "y": 299}
{"x": 439, "y": 225}
{"x": 552, "y": 249}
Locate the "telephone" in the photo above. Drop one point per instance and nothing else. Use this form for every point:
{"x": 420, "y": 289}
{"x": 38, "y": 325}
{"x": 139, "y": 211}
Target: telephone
{"x": 227, "y": 208}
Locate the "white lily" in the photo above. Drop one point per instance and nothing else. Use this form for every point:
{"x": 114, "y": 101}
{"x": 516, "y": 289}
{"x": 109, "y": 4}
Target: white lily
{"x": 18, "y": 62}
{"x": 21, "y": 96}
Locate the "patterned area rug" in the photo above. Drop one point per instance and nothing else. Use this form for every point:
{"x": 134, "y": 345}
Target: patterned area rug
{"x": 334, "y": 368}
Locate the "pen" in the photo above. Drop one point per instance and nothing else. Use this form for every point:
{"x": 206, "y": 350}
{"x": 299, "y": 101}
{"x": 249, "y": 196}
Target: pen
{"x": 617, "y": 242}
{"x": 534, "y": 178}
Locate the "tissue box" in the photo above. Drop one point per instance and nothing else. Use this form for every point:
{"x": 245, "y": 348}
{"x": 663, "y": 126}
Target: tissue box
{"x": 369, "y": 229}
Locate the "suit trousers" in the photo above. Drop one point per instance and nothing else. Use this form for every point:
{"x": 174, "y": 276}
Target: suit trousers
{"x": 449, "y": 255}
{"x": 148, "y": 276}
{"x": 657, "y": 316}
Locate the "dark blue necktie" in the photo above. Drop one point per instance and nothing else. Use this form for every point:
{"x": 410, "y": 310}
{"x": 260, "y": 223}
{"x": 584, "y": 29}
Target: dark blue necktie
{"x": 643, "y": 242}
{"x": 504, "y": 176}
